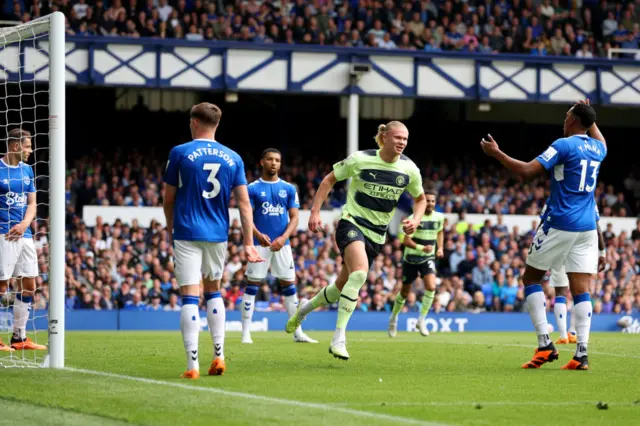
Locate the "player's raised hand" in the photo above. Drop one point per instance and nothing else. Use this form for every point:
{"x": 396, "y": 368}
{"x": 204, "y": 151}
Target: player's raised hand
{"x": 409, "y": 226}
{"x": 278, "y": 243}
{"x": 315, "y": 222}
{"x": 489, "y": 146}
{"x": 263, "y": 239}
{"x": 16, "y": 232}
{"x": 252, "y": 254}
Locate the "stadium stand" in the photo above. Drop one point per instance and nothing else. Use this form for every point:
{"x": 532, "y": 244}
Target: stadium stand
{"x": 585, "y": 29}
{"x": 123, "y": 266}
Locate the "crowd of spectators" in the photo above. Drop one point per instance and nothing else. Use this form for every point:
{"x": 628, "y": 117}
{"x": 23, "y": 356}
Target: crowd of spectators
{"x": 582, "y": 28}
{"x": 125, "y": 266}
{"x": 136, "y": 180}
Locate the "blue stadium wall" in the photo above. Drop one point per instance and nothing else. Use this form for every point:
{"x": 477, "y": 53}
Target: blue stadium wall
{"x": 265, "y": 68}
{"x": 319, "y": 321}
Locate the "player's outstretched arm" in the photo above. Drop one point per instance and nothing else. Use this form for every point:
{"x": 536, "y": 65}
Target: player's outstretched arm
{"x": 324, "y": 189}
{"x": 168, "y": 203}
{"x": 520, "y": 168}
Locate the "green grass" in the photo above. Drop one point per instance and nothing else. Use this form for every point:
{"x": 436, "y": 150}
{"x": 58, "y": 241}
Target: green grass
{"x": 461, "y": 378}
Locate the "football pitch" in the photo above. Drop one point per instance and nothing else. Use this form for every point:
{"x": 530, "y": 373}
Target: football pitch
{"x": 117, "y": 378}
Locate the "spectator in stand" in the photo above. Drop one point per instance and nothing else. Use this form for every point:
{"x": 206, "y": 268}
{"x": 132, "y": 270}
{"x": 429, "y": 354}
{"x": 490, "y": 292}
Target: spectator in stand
{"x": 511, "y": 27}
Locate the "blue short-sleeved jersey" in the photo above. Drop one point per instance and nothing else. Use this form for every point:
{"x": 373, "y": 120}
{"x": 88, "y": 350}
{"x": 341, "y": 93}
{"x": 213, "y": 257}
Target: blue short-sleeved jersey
{"x": 271, "y": 202}
{"x": 16, "y": 182}
{"x": 205, "y": 172}
{"x": 574, "y": 164}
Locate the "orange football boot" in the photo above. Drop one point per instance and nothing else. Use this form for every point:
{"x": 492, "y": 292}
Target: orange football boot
{"x": 217, "y": 367}
{"x": 26, "y": 344}
{"x": 5, "y": 348}
{"x": 572, "y": 338}
{"x": 542, "y": 356}
{"x": 191, "y": 374}
{"x": 581, "y": 363}
{"x": 562, "y": 341}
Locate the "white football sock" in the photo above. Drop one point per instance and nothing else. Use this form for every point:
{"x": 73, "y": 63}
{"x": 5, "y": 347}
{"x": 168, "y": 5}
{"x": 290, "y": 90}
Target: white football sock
{"x": 582, "y": 310}
{"x": 571, "y": 323}
{"x": 20, "y": 316}
{"x": 536, "y": 304}
{"x": 248, "y": 306}
{"x": 216, "y": 319}
{"x": 190, "y": 328}
{"x": 560, "y": 312}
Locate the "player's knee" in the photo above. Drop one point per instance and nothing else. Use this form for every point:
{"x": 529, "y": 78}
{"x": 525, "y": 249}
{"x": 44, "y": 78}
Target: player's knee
{"x": 532, "y": 276}
{"x": 358, "y": 276}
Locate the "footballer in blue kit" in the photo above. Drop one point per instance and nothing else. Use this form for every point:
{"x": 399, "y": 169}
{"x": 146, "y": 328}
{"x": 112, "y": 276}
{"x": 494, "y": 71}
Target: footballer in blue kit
{"x": 560, "y": 282}
{"x": 568, "y": 236}
{"x": 199, "y": 179}
{"x": 18, "y": 257}
{"x": 275, "y": 207}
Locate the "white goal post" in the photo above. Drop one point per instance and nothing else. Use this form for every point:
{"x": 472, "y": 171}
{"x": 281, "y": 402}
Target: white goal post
{"x": 13, "y": 67}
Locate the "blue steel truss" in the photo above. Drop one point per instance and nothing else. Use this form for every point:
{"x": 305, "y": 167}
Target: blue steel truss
{"x": 236, "y": 66}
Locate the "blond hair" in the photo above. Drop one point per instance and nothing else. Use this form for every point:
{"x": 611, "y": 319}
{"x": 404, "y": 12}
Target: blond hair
{"x": 383, "y": 129}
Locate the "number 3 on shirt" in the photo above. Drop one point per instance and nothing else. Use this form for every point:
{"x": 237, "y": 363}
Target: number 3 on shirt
{"x": 213, "y": 168}
{"x": 583, "y": 176}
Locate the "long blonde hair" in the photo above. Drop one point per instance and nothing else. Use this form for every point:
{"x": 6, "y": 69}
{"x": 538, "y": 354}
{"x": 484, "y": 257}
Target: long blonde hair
{"x": 383, "y": 129}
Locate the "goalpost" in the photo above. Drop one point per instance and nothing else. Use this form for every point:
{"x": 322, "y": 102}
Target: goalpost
{"x": 32, "y": 86}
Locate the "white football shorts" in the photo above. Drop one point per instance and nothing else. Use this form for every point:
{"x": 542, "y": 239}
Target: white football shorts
{"x": 17, "y": 258}
{"x": 281, "y": 263}
{"x": 559, "y": 278}
{"x": 197, "y": 259}
{"x": 576, "y": 251}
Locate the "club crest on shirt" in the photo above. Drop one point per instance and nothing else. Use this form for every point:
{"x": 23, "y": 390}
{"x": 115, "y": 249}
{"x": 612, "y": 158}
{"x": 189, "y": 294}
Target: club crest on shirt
{"x": 26, "y": 180}
{"x": 400, "y": 180}
{"x": 352, "y": 234}
{"x": 282, "y": 193}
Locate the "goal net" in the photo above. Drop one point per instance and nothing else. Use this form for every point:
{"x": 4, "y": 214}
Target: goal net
{"x": 32, "y": 186}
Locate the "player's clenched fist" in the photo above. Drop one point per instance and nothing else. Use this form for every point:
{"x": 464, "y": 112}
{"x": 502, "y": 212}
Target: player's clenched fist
{"x": 315, "y": 223}
{"x": 409, "y": 226}
{"x": 252, "y": 254}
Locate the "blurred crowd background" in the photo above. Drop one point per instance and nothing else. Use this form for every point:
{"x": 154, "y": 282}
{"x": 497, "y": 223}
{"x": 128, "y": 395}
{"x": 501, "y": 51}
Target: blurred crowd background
{"x": 580, "y": 28}
{"x": 123, "y": 265}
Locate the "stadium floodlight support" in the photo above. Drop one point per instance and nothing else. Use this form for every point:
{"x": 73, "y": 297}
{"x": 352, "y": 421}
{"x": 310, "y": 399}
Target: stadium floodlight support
{"x": 356, "y": 71}
{"x": 352, "y": 123}
{"x": 52, "y": 25}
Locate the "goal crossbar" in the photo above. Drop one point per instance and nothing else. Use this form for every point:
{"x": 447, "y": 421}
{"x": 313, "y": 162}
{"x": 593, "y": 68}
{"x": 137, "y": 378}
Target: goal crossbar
{"x": 25, "y": 31}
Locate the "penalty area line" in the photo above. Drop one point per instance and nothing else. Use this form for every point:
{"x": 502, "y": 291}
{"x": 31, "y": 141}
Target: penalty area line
{"x": 242, "y": 395}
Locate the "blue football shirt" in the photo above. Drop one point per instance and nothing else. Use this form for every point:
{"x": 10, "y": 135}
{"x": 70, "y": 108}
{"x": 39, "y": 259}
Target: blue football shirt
{"x": 205, "y": 172}
{"x": 16, "y": 182}
{"x": 271, "y": 202}
{"x": 574, "y": 164}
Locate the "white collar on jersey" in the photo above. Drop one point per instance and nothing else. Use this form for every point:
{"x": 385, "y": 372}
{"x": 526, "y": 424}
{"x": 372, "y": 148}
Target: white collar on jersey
{"x": 204, "y": 139}
{"x": 9, "y": 165}
{"x": 266, "y": 181}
